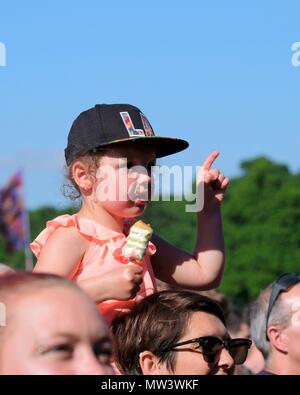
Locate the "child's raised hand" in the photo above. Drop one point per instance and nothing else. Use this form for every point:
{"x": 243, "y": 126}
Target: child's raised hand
{"x": 124, "y": 282}
{"x": 215, "y": 183}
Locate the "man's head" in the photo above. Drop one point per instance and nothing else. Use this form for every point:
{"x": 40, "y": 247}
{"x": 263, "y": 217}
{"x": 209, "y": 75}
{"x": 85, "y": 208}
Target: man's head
{"x": 176, "y": 332}
{"x": 50, "y": 326}
{"x": 275, "y": 324}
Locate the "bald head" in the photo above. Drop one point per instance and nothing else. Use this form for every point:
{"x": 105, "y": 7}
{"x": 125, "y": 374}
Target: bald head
{"x": 51, "y": 327}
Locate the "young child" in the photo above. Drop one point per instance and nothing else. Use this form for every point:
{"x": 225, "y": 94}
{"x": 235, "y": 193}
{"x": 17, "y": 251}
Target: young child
{"x": 108, "y": 145}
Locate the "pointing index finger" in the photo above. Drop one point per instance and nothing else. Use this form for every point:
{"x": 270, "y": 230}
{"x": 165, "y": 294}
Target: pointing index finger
{"x": 210, "y": 160}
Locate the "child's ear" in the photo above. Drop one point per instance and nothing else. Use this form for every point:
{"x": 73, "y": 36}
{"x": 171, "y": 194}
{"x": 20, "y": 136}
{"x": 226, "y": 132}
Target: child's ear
{"x": 150, "y": 363}
{"x": 81, "y": 175}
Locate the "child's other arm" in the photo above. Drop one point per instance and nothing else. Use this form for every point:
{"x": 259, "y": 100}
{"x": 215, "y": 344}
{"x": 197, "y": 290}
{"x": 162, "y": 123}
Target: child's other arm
{"x": 204, "y": 268}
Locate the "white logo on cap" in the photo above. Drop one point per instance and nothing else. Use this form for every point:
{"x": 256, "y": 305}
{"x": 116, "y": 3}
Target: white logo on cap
{"x": 132, "y": 131}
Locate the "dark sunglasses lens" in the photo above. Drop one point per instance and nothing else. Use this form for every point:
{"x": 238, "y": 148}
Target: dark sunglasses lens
{"x": 239, "y": 351}
{"x": 211, "y": 349}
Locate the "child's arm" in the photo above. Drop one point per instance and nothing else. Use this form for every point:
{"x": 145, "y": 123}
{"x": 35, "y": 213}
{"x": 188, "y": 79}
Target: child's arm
{"x": 204, "y": 268}
{"x": 64, "y": 249}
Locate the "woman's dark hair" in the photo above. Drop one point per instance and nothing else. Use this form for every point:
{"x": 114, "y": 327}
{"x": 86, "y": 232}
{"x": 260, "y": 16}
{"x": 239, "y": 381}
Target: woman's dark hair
{"x": 155, "y": 323}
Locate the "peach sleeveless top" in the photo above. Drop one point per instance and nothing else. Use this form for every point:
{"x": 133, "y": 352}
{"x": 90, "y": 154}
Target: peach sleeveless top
{"x": 104, "y": 254}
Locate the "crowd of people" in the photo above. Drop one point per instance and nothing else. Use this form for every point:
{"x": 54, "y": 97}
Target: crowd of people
{"x": 89, "y": 309}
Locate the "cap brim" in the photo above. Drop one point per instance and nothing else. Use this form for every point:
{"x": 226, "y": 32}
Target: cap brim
{"x": 163, "y": 146}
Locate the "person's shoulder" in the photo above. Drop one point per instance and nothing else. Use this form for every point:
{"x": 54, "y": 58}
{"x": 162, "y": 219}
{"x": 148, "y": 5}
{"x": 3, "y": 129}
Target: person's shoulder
{"x": 66, "y": 242}
{"x": 69, "y": 238}
{"x": 65, "y": 227}
{"x": 62, "y": 232}
{"x": 67, "y": 234}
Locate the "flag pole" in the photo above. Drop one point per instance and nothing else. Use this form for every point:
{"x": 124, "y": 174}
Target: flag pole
{"x": 26, "y": 224}
{"x": 27, "y": 250}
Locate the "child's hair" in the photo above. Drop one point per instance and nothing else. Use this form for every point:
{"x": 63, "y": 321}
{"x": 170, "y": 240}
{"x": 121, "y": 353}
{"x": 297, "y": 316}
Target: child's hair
{"x": 91, "y": 160}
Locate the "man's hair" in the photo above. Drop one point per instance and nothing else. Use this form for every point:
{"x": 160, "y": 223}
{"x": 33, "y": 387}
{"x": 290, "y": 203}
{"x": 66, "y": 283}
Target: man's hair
{"x": 156, "y": 323}
{"x": 280, "y": 316}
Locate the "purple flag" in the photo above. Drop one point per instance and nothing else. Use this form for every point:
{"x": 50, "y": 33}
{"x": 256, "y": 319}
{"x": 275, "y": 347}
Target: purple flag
{"x": 13, "y": 215}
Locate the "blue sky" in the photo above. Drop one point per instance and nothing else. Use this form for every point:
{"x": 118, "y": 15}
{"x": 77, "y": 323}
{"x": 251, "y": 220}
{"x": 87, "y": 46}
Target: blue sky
{"x": 216, "y": 73}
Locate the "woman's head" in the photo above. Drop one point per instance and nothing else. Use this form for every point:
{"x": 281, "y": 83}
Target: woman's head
{"x": 149, "y": 339}
{"x": 51, "y": 327}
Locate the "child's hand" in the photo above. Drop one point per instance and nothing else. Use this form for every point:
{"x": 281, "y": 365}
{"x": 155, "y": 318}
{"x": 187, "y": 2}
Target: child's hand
{"x": 124, "y": 282}
{"x": 215, "y": 183}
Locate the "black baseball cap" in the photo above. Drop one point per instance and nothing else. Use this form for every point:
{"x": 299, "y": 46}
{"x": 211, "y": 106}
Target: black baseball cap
{"x": 108, "y": 124}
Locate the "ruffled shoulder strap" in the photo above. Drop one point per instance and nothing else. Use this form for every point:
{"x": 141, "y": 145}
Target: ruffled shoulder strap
{"x": 86, "y": 227}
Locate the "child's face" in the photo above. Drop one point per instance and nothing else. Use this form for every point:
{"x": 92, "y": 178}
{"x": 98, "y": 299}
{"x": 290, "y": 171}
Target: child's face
{"x": 124, "y": 182}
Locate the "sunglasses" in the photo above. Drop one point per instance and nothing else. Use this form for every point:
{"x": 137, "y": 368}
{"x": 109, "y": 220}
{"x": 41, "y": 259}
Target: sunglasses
{"x": 282, "y": 284}
{"x": 211, "y": 348}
